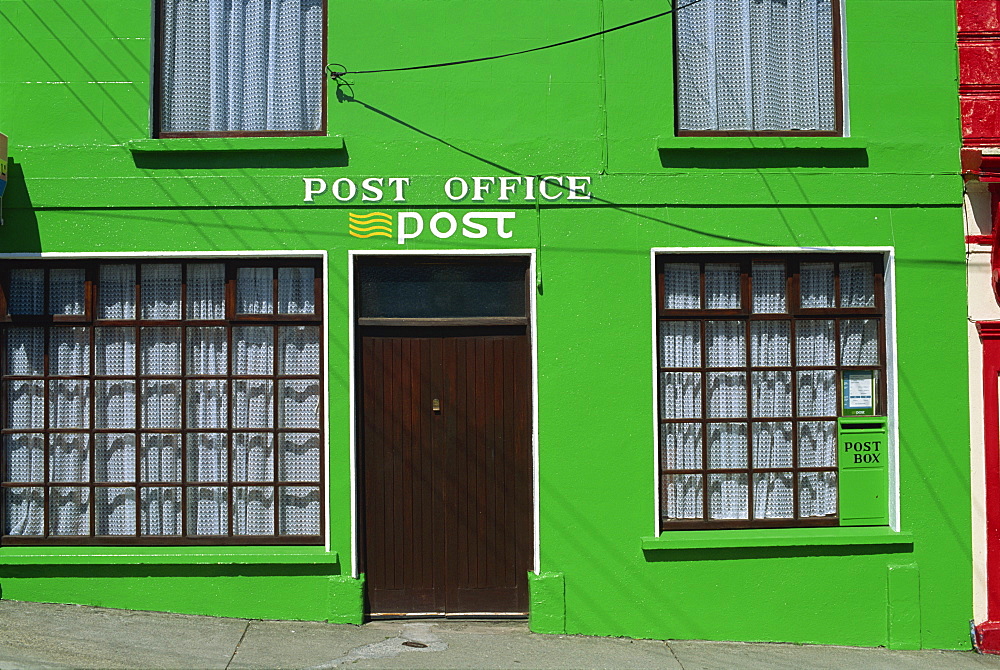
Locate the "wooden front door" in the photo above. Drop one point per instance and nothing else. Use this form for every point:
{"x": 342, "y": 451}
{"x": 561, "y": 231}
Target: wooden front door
{"x": 446, "y": 461}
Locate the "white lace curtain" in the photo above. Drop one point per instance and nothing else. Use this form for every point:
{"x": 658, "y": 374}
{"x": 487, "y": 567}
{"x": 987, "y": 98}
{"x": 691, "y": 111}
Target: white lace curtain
{"x": 242, "y": 65}
{"x": 213, "y": 406}
{"x": 756, "y": 65}
{"x": 747, "y": 402}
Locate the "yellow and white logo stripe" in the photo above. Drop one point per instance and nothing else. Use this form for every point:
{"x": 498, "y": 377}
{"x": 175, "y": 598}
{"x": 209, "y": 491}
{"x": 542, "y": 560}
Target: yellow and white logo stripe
{"x": 370, "y": 225}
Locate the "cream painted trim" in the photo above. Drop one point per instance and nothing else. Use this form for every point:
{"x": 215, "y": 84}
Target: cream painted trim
{"x": 892, "y": 411}
{"x": 533, "y": 339}
{"x": 284, "y": 253}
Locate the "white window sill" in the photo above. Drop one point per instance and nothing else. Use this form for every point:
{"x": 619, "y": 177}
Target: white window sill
{"x": 776, "y": 537}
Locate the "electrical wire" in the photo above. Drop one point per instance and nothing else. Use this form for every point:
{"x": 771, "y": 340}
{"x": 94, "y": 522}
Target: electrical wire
{"x": 341, "y": 71}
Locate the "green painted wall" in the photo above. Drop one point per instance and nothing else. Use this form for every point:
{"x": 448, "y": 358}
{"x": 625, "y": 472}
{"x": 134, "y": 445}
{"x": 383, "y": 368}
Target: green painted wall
{"x": 74, "y": 100}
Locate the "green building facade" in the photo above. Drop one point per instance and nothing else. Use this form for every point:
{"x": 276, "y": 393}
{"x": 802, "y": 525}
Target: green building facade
{"x": 552, "y": 247}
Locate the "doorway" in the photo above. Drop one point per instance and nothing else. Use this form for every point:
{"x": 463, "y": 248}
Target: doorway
{"x": 445, "y": 434}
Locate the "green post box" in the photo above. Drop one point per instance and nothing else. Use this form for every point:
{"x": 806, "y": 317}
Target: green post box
{"x": 863, "y": 461}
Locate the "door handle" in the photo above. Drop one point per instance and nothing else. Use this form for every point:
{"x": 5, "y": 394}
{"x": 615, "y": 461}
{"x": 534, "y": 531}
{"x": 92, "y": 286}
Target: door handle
{"x": 436, "y": 406}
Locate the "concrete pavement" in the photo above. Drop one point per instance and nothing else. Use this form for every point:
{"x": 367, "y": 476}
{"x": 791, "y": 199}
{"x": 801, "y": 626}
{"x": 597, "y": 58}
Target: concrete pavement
{"x": 60, "y": 636}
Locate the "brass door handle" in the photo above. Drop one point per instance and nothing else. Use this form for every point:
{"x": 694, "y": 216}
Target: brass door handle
{"x": 436, "y": 406}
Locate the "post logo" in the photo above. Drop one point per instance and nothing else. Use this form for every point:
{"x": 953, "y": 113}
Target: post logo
{"x": 441, "y": 225}
{"x": 375, "y": 224}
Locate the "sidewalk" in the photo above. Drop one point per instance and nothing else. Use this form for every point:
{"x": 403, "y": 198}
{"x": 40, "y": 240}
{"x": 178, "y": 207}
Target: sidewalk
{"x": 58, "y": 636}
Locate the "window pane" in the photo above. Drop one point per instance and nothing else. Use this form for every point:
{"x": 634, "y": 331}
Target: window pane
{"x": 770, "y": 343}
{"x": 254, "y": 291}
{"x": 299, "y": 350}
{"x": 722, "y": 285}
{"x": 207, "y": 351}
{"x": 253, "y": 457}
{"x": 680, "y": 446}
{"x": 253, "y": 510}
{"x": 725, "y": 344}
{"x": 727, "y": 496}
{"x": 69, "y": 351}
{"x": 25, "y": 351}
{"x": 772, "y": 444}
{"x": 680, "y": 344}
{"x": 857, "y": 285}
{"x": 253, "y": 403}
{"x": 114, "y": 403}
{"x": 814, "y": 343}
{"x": 772, "y": 393}
{"x": 296, "y": 293}
{"x": 727, "y": 445}
{"x": 24, "y": 457}
{"x": 207, "y": 458}
{"x": 161, "y": 351}
{"x": 298, "y": 510}
{"x": 772, "y": 495}
{"x": 207, "y": 510}
{"x": 66, "y": 291}
{"x": 272, "y": 49}
{"x": 161, "y": 403}
{"x": 115, "y": 510}
{"x": 768, "y": 283}
{"x": 207, "y": 404}
{"x": 817, "y": 393}
{"x": 817, "y": 444}
{"x": 161, "y": 291}
{"x": 859, "y": 342}
{"x": 114, "y": 458}
{"x": 25, "y": 404}
{"x": 817, "y": 494}
{"x": 69, "y": 510}
{"x": 680, "y": 395}
{"x": 161, "y": 511}
{"x": 27, "y": 291}
{"x": 69, "y": 457}
{"x": 299, "y": 457}
{"x": 206, "y": 291}
{"x": 69, "y": 403}
{"x": 116, "y": 292}
{"x": 160, "y": 458}
{"x": 298, "y": 403}
{"x": 253, "y": 350}
{"x": 816, "y": 285}
{"x": 681, "y": 286}
{"x": 682, "y": 497}
{"x": 727, "y": 395}
{"x": 433, "y": 290}
{"x": 114, "y": 351}
{"x": 24, "y": 511}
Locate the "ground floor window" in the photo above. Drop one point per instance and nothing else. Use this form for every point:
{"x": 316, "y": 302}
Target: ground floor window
{"x": 161, "y": 402}
{"x": 753, "y": 350}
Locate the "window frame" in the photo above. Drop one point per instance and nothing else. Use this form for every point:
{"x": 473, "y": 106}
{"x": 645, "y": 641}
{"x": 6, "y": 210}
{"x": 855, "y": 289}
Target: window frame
{"x": 792, "y": 259}
{"x": 230, "y": 321}
{"x": 157, "y": 92}
{"x": 837, "y": 16}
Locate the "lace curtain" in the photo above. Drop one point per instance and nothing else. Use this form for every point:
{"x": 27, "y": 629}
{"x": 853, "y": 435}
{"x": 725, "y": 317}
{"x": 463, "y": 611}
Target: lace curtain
{"x": 225, "y": 412}
{"x": 756, "y": 65}
{"x": 242, "y": 65}
{"x": 747, "y": 419}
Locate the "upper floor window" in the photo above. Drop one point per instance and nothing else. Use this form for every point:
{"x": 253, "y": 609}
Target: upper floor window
{"x": 240, "y": 67}
{"x": 758, "y": 67}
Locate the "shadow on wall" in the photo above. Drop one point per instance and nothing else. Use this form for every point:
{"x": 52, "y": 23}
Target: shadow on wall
{"x": 19, "y": 232}
{"x": 755, "y": 158}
